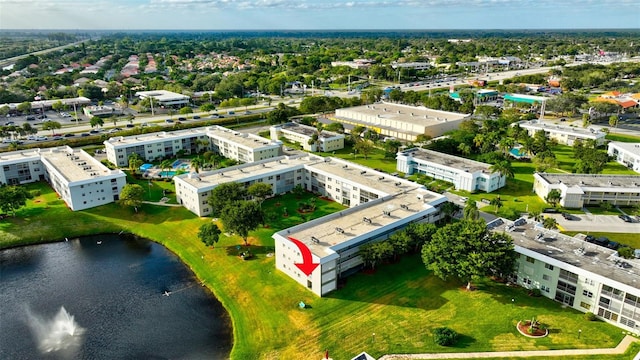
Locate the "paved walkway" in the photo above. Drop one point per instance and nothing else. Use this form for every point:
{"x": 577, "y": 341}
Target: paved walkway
{"x": 161, "y": 203}
{"x": 620, "y": 349}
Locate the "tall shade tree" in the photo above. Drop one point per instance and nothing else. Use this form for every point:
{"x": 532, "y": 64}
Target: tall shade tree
{"x": 550, "y": 223}
{"x": 241, "y": 217}
{"x": 209, "y": 234}
{"x": 468, "y": 251}
{"x": 260, "y": 191}
{"x": 197, "y": 163}
{"x": 553, "y": 197}
{"x": 131, "y": 196}
{"x": 449, "y": 210}
{"x": 420, "y": 234}
{"x": 13, "y": 198}
{"x": 51, "y": 125}
{"x": 225, "y": 194}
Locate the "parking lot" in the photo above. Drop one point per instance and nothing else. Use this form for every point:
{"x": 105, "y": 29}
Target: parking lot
{"x": 596, "y": 223}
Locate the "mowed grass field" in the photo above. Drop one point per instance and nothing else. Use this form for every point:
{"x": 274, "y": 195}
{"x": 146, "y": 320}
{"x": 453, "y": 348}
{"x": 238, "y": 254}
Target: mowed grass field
{"x": 401, "y": 302}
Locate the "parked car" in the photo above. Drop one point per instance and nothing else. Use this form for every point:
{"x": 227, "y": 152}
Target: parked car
{"x": 59, "y": 137}
{"x": 625, "y": 218}
{"x": 94, "y": 131}
{"x": 31, "y": 118}
{"x": 85, "y": 134}
{"x": 168, "y": 121}
{"x": 182, "y": 118}
{"x": 130, "y": 125}
{"x": 69, "y": 135}
{"x": 196, "y": 117}
{"x": 41, "y": 138}
{"x": 567, "y": 216}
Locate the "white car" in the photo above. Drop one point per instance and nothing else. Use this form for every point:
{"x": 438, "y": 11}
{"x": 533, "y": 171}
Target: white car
{"x": 41, "y": 138}
{"x": 31, "y": 137}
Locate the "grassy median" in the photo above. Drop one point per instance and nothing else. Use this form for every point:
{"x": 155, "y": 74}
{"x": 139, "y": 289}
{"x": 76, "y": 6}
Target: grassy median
{"x": 401, "y": 302}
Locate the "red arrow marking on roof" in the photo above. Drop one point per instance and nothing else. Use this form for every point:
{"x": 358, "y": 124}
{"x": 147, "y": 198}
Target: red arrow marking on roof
{"x": 307, "y": 265}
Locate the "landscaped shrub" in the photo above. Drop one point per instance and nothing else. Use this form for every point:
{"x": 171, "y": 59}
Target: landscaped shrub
{"x": 34, "y": 193}
{"x": 444, "y": 336}
{"x": 626, "y": 252}
{"x": 589, "y": 316}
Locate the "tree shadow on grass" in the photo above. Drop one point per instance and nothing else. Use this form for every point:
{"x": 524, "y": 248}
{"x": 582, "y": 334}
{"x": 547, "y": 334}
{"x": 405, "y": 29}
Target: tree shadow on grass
{"x": 254, "y": 250}
{"x": 405, "y": 283}
{"x": 464, "y": 341}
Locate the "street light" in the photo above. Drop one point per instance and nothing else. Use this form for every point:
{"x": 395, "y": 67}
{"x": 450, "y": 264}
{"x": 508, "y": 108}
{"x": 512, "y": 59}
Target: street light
{"x": 579, "y": 332}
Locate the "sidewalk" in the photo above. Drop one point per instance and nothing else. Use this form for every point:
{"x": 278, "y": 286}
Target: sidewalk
{"x": 620, "y": 349}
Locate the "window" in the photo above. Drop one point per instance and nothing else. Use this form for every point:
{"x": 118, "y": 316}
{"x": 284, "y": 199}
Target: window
{"x": 531, "y": 260}
{"x": 546, "y": 277}
{"x": 544, "y": 288}
{"x": 549, "y": 267}
{"x": 586, "y": 293}
{"x": 585, "y": 305}
{"x": 589, "y": 282}
{"x": 569, "y": 276}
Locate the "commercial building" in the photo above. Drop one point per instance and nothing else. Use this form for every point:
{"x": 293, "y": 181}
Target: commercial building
{"x": 164, "y": 97}
{"x": 523, "y": 98}
{"x": 415, "y": 65}
{"x": 463, "y": 173}
{"x": 579, "y": 190}
{"x": 153, "y": 146}
{"x": 48, "y": 104}
{"x": 303, "y": 135}
{"x": 402, "y": 122}
{"x": 627, "y": 154}
{"x": 566, "y": 135}
{"x": 380, "y": 204}
{"x": 101, "y": 111}
{"x": 78, "y": 178}
{"x": 482, "y": 95}
{"x": 576, "y": 273}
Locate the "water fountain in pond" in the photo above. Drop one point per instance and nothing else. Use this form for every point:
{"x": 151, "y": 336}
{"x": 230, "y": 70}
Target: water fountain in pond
{"x": 62, "y": 333}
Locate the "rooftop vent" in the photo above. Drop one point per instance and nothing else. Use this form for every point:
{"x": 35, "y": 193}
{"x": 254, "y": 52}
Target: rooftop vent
{"x": 386, "y": 213}
{"x": 315, "y": 240}
{"x": 366, "y": 220}
{"x": 404, "y": 206}
{"x": 363, "y": 172}
{"x": 340, "y": 230}
{"x": 345, "y": 166}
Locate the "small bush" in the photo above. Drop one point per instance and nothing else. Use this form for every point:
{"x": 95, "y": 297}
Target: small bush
{"x": 589, "y": 316}
{"x": 34, "y": 193}
{"x": 444, "y": 336}
{"x": 626, "y": 252}
{"x": 535, "y": 292}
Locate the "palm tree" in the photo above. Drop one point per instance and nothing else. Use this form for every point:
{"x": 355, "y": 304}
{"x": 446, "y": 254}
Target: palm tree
{"x": 497, "y": 202}
{"x": 550, "y": 223}
{"x": 505, "y": 145}
{"x": 470, "y": 211}
{"x": 536, "y": 215}
{"x": 464, "y": 149}
{"x": 166, "y": 164}
{"x": 503, "y": 167}
{"x": 449, "y": 209}
{"x": 197, "y": 163}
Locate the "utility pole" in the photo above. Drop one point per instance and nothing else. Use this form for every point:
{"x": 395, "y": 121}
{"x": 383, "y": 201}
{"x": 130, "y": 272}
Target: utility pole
{"x": 151, "y": 102}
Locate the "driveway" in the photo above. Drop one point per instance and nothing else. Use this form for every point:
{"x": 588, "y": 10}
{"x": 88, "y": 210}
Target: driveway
{"x": 596, "y": 223}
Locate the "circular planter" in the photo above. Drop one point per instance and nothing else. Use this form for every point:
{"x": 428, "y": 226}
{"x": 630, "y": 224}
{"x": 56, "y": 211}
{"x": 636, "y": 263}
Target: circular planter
{"x": 523, "y": 328}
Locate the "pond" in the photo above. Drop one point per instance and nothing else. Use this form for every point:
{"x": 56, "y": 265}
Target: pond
{"x": 106, "y": 297}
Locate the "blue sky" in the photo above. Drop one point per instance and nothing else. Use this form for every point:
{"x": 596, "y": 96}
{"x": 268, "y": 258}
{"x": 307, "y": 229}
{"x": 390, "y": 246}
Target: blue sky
{"x": 318, "y": 14}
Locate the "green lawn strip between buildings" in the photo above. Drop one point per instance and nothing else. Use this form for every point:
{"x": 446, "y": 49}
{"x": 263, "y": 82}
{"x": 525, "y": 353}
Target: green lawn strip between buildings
{"x": 400, "y": 302}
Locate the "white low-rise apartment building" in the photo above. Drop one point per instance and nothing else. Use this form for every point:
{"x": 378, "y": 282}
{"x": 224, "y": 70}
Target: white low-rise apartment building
{"x": 302, "y": 134}
{"x": 78, "y": 178}
{"x": 579, "y": 190}
{"x": 380, "y": 204}
{"x": 153, "y": 146}
{"x": 160, "y": 145}
{"x": 463, "y": 173}
{"x": 627, "y": 154}
{"x": 402, "y": 122}
{"x": 566, "y": 135}
{"x": 576, "y": 273}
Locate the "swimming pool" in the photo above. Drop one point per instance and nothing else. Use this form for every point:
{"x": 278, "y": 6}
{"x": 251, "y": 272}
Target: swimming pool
{"x": 181, "y": 164}
{"x": 167, "y": 174}
{"x": 518, "y": 153}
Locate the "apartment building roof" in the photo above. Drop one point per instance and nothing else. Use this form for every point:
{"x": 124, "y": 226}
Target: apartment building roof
{"x": 308, "y": 130}
{"x": 617, "y": 182}
{"x": 151, "y": 138}
{"x": 75, "y": 165}
{"x": 325, "y": 235}
{"x": 452, "y": 161}
{"x": 633, "y": 148}
{"x": 251, "y": 141}
{"x": 20, "y": 156}
{"x": 539, "y": 125}
{"x": 573, "y": 251}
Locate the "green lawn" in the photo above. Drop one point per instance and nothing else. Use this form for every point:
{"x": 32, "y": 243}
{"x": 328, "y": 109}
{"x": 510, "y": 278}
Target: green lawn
{"x": 375, "y": 160}
{"x": 400, "y": 302}
{"x": 622, "y": 138}
{"x": 631, "y": 239}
